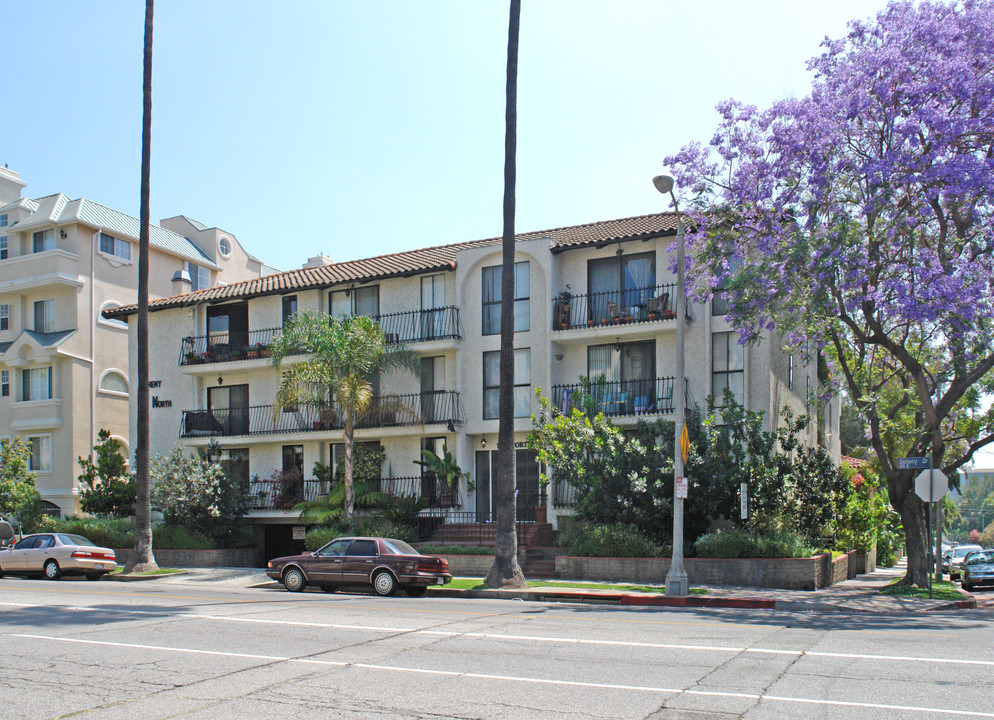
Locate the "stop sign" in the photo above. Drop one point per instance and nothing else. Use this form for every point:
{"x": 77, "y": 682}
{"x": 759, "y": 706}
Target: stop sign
{"x": 934, "y": 490}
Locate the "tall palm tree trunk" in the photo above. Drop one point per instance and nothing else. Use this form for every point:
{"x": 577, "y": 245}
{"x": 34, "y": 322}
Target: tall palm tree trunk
{"x": 505, "y": 572}
{"x": 142, "y": 559}
{"x": 348, "y": 435}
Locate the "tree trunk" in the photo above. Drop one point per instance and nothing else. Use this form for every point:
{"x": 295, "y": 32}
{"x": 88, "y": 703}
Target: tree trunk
{"x": 916, "y": 538}
{"x": 348, "y": 433}
{"x": 142, "y": 559}
{"x": 505, "y": 572}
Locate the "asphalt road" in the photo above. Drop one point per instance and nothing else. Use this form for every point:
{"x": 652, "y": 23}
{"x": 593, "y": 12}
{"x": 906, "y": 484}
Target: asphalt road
{"x": 169, "y": 649}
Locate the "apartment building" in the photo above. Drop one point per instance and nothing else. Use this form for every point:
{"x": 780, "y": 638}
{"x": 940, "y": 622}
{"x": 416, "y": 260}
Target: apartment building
{"x": 63, "y": 366}
{"x": 591, "y": 301}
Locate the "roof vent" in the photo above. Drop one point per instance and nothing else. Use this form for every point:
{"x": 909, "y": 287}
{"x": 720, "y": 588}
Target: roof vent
{"x": 182, "y": 282}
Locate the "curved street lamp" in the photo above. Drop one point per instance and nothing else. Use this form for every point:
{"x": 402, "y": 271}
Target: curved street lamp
{"x": 676, "y": 578}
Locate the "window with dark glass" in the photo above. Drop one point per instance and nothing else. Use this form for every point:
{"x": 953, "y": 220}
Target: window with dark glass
{"x": 200, "y": 277}
{"x": 229, "y": 407}
{"x": 491, "y": 298}
{"x": 363, "y": 548}
{"x": 627, "y": 281}
{"x": 43, "y": 240}
{"x": 355, "y": 301}
{"x": 36, "y": 383}
{"x": 727, "y": 370}
{"x": 293, "y": 458}
{"x": 234, "y": 464}
{"x": 227, "y": 327}
{"x": 289, "y": 308}
{"x": 44, "y": 316}
{"x": 522, "y": 384}
{"x": 115, "y": 246}
{"x": 4, "y": 317}
{"x": 3, "y": 247}
{"x": 4, "y": 383}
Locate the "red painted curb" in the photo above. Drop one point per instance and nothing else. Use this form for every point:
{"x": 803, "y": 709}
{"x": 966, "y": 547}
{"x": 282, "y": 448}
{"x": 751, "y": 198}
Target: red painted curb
{"x": 695, "y": 601}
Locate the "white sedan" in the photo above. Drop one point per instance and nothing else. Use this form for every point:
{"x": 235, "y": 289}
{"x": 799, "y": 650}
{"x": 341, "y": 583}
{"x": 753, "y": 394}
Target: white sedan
{"x": 53, "y": 555}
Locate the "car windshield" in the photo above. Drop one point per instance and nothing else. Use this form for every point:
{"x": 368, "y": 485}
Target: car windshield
{"x": 981, "y": 558}
{"x": 67, "y": 539}
{"x": 964, "y": 551}
{"x": 399, "y": 547}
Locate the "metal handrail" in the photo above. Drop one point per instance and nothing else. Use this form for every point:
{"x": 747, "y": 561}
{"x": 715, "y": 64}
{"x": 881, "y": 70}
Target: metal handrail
{"x": 427, "y": 408}
{"x": 618, "y": 398}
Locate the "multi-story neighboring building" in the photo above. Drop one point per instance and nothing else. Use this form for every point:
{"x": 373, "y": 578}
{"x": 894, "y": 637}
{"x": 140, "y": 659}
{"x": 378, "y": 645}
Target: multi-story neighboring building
{"x": 63, "y": 366}
{"x": 591, "y": 301}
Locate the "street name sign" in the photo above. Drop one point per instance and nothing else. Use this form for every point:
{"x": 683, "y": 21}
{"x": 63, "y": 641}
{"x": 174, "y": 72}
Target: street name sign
{"x": 931, "y": 485}
{"x": 912, "y": 463}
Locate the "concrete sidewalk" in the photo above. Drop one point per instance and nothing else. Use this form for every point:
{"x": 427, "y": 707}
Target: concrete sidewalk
{"x": 858, "y": 595}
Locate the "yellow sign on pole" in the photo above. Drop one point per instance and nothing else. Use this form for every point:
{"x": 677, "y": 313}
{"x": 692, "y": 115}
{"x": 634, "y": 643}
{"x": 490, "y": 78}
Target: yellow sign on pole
{"x": 685, "y": 443}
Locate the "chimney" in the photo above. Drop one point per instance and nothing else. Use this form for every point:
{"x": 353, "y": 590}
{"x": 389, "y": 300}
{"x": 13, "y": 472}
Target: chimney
{"x": 318, "y": 260}
{"x": 181, "y": 282}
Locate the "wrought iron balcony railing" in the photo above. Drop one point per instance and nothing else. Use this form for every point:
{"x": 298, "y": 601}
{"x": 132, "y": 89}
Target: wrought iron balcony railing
{"x": 417, "y": 326}
{"x": 428, "y": 408}
{"x": 614, "y": 307}
{"x": 285, "y": 490}
{"x": 651, "y": 396}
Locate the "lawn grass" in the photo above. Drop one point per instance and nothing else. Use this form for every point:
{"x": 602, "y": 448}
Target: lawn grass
{"x": 944, "y": 590}
{"x": 476, "y": 584}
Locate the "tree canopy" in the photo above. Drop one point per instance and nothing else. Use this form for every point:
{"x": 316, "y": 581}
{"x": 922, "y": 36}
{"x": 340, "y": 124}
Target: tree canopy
{"x": 857, "y": 221}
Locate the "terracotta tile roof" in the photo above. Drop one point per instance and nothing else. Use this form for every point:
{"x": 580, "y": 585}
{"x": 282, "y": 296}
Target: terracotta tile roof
{"x": 413, "y": 262}
{"x": 854, "y": 462}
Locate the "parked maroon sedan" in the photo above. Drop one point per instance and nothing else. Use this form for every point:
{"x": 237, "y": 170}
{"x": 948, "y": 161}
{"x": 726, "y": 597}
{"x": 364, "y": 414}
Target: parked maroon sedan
{"x": 380, "y": 563}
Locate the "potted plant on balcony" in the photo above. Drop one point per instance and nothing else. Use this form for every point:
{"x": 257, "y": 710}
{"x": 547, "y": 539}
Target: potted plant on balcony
{"x": 564, "y": 301}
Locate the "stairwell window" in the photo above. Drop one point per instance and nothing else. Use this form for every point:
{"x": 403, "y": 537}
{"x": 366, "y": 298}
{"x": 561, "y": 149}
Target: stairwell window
{"x": 3, "y": 247}
{"x": 41, "y": 453}
{"x": 5, "y": 317}
{"x": 36, "y": 384}
{"x": 4, "y": 383}
{"x": 3, "y": 219}
{"x": 491, "y": 298}
{"x": 522, "y": 384}
{"x": 44, "y": 313}
{"x": 727, "y": 369}
{"x": 200, "y": 277}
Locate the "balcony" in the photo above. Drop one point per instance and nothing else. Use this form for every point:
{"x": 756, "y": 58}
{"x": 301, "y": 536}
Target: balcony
{"x": 614, "y": 307}
{"x": 440, "y": 407}
{"x": 620, "y": 398}
{"x": 286, "y": 490}
{"x": 410, "y": 327}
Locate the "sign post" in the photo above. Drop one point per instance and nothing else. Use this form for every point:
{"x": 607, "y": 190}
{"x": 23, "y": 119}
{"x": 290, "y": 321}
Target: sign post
{"x": 931, "y": 485}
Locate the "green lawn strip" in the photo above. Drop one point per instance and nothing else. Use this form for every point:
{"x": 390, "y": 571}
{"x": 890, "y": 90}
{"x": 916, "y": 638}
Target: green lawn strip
{"x": 944, "y": 590}
{"x": 475, "y": 584}
{"x": 160, "y": 571}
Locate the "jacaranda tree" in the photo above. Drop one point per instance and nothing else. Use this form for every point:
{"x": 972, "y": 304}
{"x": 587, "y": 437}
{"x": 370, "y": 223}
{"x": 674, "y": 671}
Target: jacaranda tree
{"x": 857, "y": 221}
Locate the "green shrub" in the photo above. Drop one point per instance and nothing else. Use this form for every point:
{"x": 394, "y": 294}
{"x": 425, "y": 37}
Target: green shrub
{"x": 617, "y": 540}
{"x": 381, "y": 527}
{"x": 318, "y": 536}
{"x": 175, "y": 537}
{"x": 740, "y": 543}
{"x": 428, "y": 549}
{"x": 105, "y": 532}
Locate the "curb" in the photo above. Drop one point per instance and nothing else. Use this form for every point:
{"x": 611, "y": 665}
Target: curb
{"x": 140, "y": 578}
{"x": 611, "y": 598}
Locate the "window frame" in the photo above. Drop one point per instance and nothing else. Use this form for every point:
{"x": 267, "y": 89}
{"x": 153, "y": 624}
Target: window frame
{"x": 4, "y": 316}
{"x": 490, "y": 298}
{"x": 200, "y": 276}
{"x": 26, "y": 375}
{"x": 4, "y": 383}
{"x": 4, "y": 247}
{"x": 45, "y": 236}
{"x": 521, "y": 389}
{"x": 47, "y": 307}
{"x": 119, "y": 250}
{"x": 727, "y": 372}
{"x": 289, "y": 314}
{"x": 42, "y": 458}
{"x": 108, "y": 391}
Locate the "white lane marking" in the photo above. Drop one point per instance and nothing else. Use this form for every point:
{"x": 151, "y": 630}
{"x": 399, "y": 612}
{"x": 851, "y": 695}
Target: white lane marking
{"x": 523, "y": 679}
{"x": 547, "y": 639}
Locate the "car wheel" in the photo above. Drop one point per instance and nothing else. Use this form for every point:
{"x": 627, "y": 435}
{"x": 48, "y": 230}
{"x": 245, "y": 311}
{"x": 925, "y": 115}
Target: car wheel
{"x": 329, "y": 588}
{"x": 416, "y": 590}
{"x": 294, "y": 581}
{"x": 52, "y": 570}
{"x": 383, "y": 583}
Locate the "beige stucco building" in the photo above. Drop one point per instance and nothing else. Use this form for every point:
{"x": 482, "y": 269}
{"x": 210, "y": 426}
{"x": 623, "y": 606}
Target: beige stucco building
{"x": 592, "y": 301}
{"x": 64, "y": 367}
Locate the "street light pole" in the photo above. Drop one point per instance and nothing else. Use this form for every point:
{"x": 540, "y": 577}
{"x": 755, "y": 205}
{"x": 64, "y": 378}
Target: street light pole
{"x": 676, "y": 578}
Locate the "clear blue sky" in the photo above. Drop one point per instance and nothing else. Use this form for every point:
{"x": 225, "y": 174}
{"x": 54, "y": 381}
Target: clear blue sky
{"x": 358, "y": 128}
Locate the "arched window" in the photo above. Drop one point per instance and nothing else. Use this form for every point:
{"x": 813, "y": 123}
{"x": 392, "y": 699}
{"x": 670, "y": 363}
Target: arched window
{"x": 113, "y": 381}
{"x": 51, "y": 509}
{"x": 115, "y": 323}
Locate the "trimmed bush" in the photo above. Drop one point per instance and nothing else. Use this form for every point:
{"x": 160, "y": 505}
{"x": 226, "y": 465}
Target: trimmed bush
{"x": 740, "y": 543}
{"x": 174, "y": 537}
{"x": 428, "y": 549}
{"x": 616, "y": 540}
{"x": 105, "y": 532}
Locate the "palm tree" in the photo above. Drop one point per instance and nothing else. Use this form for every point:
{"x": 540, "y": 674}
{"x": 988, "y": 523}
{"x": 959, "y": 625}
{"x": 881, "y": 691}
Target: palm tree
{"x": 505, "y": 572}
{"x": 342, "y": 358}
{"x": 142, "y": 559}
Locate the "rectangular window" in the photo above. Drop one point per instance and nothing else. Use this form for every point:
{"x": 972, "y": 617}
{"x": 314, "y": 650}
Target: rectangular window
{"x": 522, "y": 384}
{"x": 790, "y": 371}
{"x": 4, "y": 317}
{"x": 4, "y": 383}
{"x": 41, "y": 453}
{"x": 293, "y": 458}
{"x": 491, "y": 298}
{"x": 625, "y": 281}
{"x": 200, "y": 277}
{"x": 115, "y": 246}
{"x": 289, "y": 308}
{"x": 229, "y": 407}
{"x": 234, "y": 463}
{"x": 3, "y": 220}
{"x": 3, "y": 247}
{"x": 727, "y": 370}
{"x": 623, "y": 379}
{"x": 44, "y": 316}
{"x": 36, "y": 384}
{"x": 355, "y": 301}
{"x": 43, "y": 240}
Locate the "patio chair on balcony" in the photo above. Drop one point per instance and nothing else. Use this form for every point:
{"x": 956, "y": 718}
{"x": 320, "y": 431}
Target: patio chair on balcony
{"x": 616, "y": 314}
{"x": 658, "y": 307}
